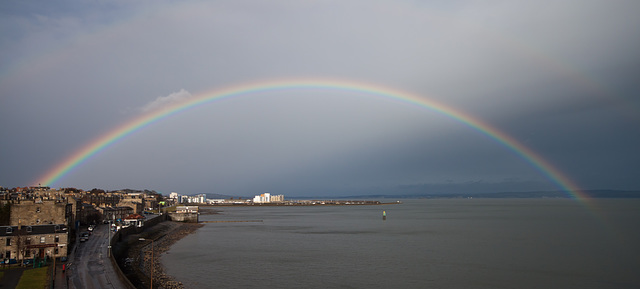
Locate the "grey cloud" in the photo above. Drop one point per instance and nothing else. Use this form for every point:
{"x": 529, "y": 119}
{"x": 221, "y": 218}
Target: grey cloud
{"x": 556, "y": 76}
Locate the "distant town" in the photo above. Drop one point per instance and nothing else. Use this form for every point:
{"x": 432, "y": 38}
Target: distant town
{"x": 39, "y": 223}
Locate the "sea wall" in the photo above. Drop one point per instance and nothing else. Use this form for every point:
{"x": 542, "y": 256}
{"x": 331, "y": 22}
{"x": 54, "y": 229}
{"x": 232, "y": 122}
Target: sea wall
{"x": 191, "y": 217}
{"x": 120, "y": 243}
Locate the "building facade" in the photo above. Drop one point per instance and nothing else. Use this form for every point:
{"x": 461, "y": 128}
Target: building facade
{"x": 115, "y": 213}
{"x": 19, "y": 243}
{"x": 41, "y": 212}
{"x": 268, "y": 198}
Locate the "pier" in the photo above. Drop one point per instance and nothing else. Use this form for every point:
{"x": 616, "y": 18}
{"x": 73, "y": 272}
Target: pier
{"x": 234, "y": 221}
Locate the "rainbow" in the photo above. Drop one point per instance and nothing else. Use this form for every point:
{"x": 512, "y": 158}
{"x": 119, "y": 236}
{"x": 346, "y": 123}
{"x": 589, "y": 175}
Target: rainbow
{"x": 128, "y": 128}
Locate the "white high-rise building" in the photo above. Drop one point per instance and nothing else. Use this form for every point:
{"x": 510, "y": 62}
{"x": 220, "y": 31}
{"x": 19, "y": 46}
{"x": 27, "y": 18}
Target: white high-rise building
{"x": 263, "y": 198}
{"x": 268, "y": 198}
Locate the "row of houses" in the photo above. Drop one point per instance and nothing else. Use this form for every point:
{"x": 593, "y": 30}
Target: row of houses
{"x": 28, "y": 242}
{"x": 39, "y": 222}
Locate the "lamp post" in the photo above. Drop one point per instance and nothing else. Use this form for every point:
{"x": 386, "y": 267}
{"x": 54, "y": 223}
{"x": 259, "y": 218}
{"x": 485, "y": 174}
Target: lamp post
{"x": 109, "y": 239}
{"x": 151, "y": 263}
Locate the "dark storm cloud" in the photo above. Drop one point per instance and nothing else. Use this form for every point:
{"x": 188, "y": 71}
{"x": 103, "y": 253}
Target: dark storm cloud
{"x": 559, "y": 77}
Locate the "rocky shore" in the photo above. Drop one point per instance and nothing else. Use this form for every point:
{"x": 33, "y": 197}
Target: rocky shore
{"x": 163, "y": 235}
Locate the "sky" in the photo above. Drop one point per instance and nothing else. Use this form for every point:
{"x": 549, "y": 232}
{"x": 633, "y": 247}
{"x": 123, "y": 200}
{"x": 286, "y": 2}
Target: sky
{"x": 560, "y": 77}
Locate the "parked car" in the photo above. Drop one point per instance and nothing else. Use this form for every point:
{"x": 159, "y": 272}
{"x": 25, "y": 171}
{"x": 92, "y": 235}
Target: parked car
{"x": 9, "y": 261}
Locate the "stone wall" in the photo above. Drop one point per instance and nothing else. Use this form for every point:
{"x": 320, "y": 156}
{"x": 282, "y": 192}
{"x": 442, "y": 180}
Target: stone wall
{"x": 184, "y": 217}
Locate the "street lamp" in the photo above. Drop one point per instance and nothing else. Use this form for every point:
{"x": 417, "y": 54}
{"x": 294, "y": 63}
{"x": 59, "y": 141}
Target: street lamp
{"x": 151, "y": 263}
{"x": 109, "y": 239}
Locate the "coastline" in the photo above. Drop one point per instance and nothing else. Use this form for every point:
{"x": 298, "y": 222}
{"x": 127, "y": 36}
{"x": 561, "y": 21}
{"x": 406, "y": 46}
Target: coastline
{"x": 164, "y": 237}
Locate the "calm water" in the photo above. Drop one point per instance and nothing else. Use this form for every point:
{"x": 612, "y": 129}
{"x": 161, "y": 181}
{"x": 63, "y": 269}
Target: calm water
{"x": 441, "y": 243}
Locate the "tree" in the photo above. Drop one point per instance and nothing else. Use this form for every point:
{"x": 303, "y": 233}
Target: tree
{"x": 5, "y": 214}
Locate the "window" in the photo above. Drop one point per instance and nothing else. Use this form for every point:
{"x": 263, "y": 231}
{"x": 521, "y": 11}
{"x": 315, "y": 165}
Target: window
{"x": 57, "y": 239}
{"x": 29, "y": 229}
{"x": 28, "y": 241}
{"x": 41, "y": 240}
{"x": 55, "y": 251}
{"x": 9, "y": 230}
{"x": 8, "y": 243}
{"x": 37, "y": 209}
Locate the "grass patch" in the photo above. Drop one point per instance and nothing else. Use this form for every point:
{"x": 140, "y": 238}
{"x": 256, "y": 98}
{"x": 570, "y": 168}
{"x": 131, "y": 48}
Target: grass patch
{"x": 34, "y": 278}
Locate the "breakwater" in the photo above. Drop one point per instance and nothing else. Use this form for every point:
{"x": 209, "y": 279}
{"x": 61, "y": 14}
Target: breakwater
{"x": 234, "y": 221}
{"x": 310, "y": 203}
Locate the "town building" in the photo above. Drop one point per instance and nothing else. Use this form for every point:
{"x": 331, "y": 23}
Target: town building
{"x": 134, "y": 220}
{"x": 187, "y": 214}
{"x": 88, "y": 214}
{"x": 41, "y": 212}
{"x": 262, "y": 198}
{"x": 19, "y": 243}
{"x": 268, "y": 198}
{"x": 197, "y": 199}
{"x": 114, "y": 213}
{"x": 136, "y": 202}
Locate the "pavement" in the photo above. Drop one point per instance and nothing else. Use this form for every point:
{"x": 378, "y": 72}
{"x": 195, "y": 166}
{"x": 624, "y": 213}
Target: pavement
{"x": 61, "y": 278}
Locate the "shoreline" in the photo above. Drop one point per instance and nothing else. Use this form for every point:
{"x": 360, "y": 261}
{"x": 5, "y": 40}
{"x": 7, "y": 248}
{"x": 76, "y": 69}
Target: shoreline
{"x": 163, "y": 238}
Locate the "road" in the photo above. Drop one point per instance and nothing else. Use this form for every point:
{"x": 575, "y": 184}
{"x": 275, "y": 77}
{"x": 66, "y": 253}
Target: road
{"x": 90, "y": 265}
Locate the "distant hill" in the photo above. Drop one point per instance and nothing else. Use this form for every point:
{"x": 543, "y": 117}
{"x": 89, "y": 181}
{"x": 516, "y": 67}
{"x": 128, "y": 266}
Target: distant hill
{"x": 561, "y": 194}
{"x": 220, "y": 196}
{"x": 533, "y": 194}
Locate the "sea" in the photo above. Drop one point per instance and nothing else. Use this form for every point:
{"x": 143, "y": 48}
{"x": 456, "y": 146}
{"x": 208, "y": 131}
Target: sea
{"x": 422, "y": 243}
